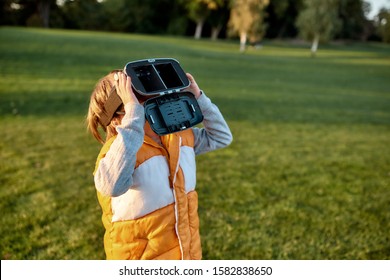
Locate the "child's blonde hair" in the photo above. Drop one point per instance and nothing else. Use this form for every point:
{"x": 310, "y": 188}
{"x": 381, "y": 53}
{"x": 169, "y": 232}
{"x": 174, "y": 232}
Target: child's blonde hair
{"x": 96, "y": 107}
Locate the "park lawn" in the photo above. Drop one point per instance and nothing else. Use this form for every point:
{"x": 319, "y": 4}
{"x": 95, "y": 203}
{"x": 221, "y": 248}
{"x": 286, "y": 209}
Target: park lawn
{"x": 306, "y": 177}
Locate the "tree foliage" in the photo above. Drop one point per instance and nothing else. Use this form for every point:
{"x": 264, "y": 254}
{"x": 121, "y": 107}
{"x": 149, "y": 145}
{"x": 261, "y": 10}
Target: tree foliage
{"x": 384, "y": 24}
{"x": 280, "y": 18}
{"x": 352, "y": 19}
{"x": 247, "y": 20}
{"x": 199, "y": 11}
{"x": 218, "y": 18}
{"x": 318, "y": 21}
{"x": 82, "y": 14}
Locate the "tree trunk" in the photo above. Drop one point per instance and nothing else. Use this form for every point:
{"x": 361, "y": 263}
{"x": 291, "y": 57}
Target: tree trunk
{"x": 215, "y": 32}
{"x": 44, "y": 12}
{"x": 243, "y": 38}
{"x": 199, "y": 28}
{"x": 314, "y": 45}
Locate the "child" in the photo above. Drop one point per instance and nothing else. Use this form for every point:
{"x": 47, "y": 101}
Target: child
{"x": 145, "y": 182}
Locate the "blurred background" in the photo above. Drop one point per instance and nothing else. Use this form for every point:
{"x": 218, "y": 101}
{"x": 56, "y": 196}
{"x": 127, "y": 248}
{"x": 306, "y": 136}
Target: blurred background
{"x": 363, "y": 20}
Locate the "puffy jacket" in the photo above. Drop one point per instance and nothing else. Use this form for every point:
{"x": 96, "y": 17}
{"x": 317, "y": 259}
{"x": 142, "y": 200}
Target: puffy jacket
{"x": 155, "y": 216}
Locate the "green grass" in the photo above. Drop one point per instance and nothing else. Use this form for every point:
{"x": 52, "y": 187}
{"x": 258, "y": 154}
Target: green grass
{"x": 307, "y": 176}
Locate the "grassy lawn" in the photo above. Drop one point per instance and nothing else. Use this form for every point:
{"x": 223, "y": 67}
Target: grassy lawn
{"x": 306, "y": 177}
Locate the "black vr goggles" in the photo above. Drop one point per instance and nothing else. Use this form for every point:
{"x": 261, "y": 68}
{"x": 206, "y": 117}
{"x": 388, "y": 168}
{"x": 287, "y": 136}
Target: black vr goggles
{"x": 168, "y": 109}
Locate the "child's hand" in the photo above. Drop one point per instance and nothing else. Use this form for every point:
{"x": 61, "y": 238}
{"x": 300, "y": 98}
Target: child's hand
{"x": 123, "y": 88}
{"x": 193, "y": 88}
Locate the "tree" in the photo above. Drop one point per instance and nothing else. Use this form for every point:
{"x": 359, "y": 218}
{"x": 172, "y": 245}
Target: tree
{"x": 198, "y": 11}
{"x": 218, "y": 18}
{"x": 83, "y": 14}
{"x": 281, "y": 17}
{"x": 353, "y": 19}
{"x": 10, "y": 13}
{"x": 318, "y": 21}
{"x": 384, "y": 24}
{"x": 44, "y": 7}
{"x": 145, "y": 16}
{"x": 28, "y": 12}
{"x": 246, "y": 20}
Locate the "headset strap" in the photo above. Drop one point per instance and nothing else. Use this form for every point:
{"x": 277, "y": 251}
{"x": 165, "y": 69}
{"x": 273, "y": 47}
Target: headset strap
{"x": 110, "y": 107}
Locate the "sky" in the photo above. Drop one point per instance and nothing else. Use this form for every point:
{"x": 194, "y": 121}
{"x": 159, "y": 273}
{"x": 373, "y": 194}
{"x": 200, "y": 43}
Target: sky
{"x": 376, "y": 5}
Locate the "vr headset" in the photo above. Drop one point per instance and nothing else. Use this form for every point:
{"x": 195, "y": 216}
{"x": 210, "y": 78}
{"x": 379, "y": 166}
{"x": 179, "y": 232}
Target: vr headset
{"x": 161, "y": 82}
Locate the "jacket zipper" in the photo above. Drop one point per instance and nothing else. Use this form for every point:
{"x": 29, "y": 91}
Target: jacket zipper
{"x": 166, "y": 154}
{"x": 176, "y": 208}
